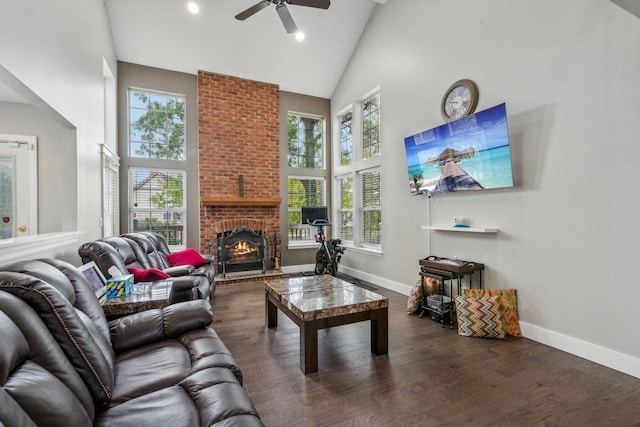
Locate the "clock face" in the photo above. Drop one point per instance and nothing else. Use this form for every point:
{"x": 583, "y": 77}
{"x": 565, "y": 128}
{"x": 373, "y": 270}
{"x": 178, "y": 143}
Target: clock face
{"x": 459, "y": 100}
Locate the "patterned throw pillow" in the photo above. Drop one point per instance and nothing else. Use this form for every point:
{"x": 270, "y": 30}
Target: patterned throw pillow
{"x": 413, "y": 305}
{"x": 509, "y": 312}
{"x": 479, "y": 317}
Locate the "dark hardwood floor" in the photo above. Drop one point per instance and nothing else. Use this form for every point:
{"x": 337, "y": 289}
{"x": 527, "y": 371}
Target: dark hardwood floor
{"x": 430, "y": 377}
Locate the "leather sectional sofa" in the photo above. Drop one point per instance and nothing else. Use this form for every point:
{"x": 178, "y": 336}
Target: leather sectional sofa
{"x": 144, "y": 251}
{"x": 62, "y": 364}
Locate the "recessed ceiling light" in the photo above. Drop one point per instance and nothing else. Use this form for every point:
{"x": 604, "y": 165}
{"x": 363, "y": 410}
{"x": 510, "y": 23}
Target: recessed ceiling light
{"x": 193, "y": 7}
{"x": 299, "y": 36}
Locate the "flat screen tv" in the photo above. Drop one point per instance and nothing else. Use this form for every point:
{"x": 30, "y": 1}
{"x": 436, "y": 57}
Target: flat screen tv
{"x": 471, "y": 153}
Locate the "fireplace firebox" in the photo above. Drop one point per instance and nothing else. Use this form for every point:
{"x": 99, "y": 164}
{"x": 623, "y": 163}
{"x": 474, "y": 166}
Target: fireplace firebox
{"x": 241, "y": 249}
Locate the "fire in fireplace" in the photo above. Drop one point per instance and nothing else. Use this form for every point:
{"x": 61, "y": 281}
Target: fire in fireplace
{"x": 241, "y": 249}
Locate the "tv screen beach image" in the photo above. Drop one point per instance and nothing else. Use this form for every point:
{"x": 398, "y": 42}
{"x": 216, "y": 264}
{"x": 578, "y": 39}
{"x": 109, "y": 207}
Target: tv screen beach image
{"x": 471, "y": 153}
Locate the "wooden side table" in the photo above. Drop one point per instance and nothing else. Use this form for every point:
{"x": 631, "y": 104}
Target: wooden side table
{"x": 144, "y": 296}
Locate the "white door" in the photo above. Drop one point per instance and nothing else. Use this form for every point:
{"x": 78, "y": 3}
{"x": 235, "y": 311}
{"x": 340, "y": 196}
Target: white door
{"x": 18, "y": 186}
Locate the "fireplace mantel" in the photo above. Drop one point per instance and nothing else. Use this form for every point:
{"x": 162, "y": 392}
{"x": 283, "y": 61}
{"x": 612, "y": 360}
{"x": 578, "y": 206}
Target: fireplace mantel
{"x": 241, "y": 201}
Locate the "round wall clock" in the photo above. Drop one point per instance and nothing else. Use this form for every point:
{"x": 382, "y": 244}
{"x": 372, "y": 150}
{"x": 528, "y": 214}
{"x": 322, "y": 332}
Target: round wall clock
{"x": 459, "y": 100}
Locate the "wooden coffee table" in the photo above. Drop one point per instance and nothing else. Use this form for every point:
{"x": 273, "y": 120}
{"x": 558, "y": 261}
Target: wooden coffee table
{"x": 319, "y": 302}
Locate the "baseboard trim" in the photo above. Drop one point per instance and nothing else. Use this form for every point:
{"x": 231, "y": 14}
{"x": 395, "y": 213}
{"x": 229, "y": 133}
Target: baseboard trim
{"x": 601, "y": 355}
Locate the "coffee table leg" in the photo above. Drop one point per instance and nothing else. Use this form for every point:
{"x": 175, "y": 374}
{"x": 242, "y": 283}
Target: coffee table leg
{"x": 271, "y": 313}
{"x": 308, "y": 347}
{"x": 379, "y": 331}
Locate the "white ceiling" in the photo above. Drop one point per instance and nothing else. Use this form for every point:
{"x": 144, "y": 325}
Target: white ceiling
{"x": 163, "y": 34}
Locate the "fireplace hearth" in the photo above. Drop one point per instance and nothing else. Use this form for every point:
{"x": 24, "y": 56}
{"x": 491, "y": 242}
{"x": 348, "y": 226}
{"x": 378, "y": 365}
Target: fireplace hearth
{"x": 242, "y": 249}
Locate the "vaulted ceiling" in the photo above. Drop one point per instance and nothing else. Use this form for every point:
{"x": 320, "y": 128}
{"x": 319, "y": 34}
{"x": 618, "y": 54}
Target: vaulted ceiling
{"x": 163, "y": 34}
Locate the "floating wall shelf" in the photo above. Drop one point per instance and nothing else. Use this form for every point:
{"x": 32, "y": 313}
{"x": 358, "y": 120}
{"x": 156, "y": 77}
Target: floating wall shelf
{"x": 462, "y": 229}
{"x": 241, "y": 201}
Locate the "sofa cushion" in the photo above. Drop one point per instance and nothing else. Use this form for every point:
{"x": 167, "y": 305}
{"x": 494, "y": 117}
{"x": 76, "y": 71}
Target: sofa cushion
{"x": 187, "y": 256}
{"x": 148, "y": 275}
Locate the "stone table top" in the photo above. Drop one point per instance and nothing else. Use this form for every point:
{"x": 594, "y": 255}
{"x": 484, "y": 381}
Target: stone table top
{"x": 317, "y": 297}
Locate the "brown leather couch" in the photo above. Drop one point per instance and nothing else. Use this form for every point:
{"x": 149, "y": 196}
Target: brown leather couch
{"x": 62, "y": 364}
{"x": 146, "y": 250}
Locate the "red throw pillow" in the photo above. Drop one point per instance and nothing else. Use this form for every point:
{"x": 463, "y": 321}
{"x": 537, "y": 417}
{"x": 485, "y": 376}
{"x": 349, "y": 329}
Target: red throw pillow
{"x": 149, "y": 275}
{"x": 187, "y": 256}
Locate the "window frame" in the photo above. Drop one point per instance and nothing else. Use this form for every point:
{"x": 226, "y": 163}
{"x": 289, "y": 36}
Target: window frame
{"x": 309, "y": 229}
{"x": 359, "y": 166}
{"x": 323, "y": 148}
{"x": 110, "y": 192}
{"x": 150, "y": 92}
{"x": 132, "y": 209}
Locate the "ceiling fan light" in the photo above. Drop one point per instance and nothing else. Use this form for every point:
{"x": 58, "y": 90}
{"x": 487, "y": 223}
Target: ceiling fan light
{"x": 286, "y": 18}
{"x": 299, "y": 36}
{"x": 193, "y": 7}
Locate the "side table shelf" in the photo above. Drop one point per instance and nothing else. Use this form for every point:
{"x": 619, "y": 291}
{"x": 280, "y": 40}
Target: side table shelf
{"x": 462, "y": 229}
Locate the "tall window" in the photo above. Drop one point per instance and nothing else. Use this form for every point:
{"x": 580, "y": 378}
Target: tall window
{"x": 346, "y": 139}
{"x": 303, "y": 192}
{"x": 157, "y": 203}
{"x": 357, "y": 174}
{"x": 156, "y": 125}
{"x": 371, "y": 127}
{"x": 306, "y": 183}
{"x": 371, "y": 217}
{"x": 110, "y": 194}
{"x": 345, "y": 208}
{"x": 157, "y": 194}
{"x": 305, "y": 141}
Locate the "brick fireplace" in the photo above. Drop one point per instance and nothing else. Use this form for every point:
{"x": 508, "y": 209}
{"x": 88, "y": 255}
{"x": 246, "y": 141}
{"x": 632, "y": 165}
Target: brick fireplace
{"x": 239, "y": 158}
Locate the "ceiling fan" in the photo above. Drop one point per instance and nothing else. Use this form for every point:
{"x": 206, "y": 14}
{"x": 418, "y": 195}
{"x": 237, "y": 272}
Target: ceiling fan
{"x": 283, "y": 12}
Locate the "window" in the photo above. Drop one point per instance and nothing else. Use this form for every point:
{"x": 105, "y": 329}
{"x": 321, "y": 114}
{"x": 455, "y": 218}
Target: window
{"x": 346, "y": 139}
{"x": 357, "y": 174}
{"x": 157, "y": 203}
{"x": 110, "y": 193}
{"x": 305, "y": 141}
{"x": 371, "y": 218}
{"x": 371, "y": 127}
{"x": 345, "y": 208}
{"x": 303, "y": 192}
{"x": 156, "y": 125}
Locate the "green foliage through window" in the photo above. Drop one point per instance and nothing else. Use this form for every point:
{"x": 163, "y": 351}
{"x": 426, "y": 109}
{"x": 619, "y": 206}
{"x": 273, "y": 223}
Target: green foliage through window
{"x": 303, "y": 192}
{"x": 156, "y": 125}
{"x": 305, "y": 141}
{"x": 371, "y": 127}
{"x": 346, "y": 139}
{"x": 157, "y": 202}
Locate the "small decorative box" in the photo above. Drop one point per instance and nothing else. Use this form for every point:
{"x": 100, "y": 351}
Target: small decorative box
{"x": 119, "y": 287}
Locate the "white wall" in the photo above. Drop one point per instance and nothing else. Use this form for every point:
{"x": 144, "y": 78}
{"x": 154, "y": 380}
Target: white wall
{"x": 568, "y": 231}
{"x": 56, "y": 49}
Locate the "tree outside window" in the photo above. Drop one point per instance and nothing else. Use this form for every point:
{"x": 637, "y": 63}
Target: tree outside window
{"x": 305, "y": 141}
{"x": 157, "y": 203}
{"x": 303, "y": 192}
{"x": 371, "y": 127}
{"x": 346, "y": 139}
{"x": 156, "y": 125}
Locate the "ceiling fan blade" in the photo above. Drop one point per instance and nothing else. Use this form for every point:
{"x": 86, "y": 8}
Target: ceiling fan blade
{"x": 286, "y": 18}
{"x": 320, "y": 4}
{"x": 252, "y": 10}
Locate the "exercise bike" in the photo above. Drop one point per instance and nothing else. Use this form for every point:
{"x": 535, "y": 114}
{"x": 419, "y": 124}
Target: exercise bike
{"x": 329, "y": 253}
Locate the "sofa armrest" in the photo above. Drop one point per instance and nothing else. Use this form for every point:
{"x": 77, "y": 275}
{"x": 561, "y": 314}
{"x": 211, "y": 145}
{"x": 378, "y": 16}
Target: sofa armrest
{"x": 179, "y": 270}
{"x": 159, "y": 324}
